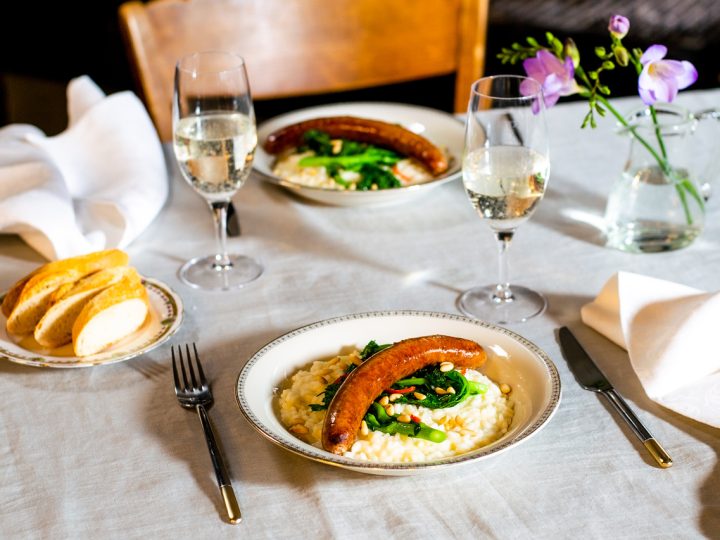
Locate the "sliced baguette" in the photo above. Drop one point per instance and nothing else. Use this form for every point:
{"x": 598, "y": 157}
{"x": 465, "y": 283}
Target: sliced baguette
{"x": 84, "y": 264}
{"x": 34, "y": 300}
{"x": 55, "y": 327}
{"x": 111, "y": 315}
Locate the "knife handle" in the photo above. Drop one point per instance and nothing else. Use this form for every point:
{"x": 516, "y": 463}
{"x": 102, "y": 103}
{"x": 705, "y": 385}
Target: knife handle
{"x": 653, "y": 447}
{"x": 233, "y": 221}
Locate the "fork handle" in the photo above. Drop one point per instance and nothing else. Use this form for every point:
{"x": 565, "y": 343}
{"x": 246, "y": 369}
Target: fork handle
{"x": 223, "y": 478}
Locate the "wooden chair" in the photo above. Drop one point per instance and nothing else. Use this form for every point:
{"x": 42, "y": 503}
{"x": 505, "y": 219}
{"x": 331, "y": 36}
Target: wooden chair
{"x": 306, "y": 47}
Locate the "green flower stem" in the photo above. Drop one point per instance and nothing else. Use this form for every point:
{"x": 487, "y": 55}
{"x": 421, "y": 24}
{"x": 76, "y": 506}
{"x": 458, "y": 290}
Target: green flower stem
{"x": 662, "y": 162}
{"x": 680, "y": 184}
{"x": 658, "y": 135}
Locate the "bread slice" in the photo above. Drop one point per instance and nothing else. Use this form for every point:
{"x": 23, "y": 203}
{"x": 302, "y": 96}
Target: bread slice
{"x": 68, "y": 300}
{"x": 111, "y": 315}
{"x": 28, "y": 300}
{"x": 84, "y": 264}
{"x": 11, "y": 297}
{"x": 34, "y": 300}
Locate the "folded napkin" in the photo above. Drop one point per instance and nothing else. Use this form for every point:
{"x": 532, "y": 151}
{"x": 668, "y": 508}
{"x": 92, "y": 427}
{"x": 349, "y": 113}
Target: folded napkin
{"x": 670, "y": 333}
{"x": 95, "y": 186}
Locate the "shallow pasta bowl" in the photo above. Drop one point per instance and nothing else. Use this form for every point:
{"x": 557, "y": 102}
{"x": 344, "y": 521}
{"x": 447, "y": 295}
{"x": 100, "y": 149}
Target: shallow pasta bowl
{"x": 511, "y": 359}
{"x": 442, "y": 129}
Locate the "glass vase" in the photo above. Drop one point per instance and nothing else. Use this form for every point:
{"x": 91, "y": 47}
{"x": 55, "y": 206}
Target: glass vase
{"x": 656, "y": 204}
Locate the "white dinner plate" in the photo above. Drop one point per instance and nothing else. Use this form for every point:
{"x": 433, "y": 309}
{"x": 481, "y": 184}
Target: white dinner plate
{"x": 440, "y": 128}
{"x": 166, "y": 313}
{"x": 511, "y": 359}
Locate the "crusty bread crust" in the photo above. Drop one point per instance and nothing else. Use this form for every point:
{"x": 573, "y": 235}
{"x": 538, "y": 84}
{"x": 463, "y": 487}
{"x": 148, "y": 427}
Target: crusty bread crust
{"x": 83, "y": 264}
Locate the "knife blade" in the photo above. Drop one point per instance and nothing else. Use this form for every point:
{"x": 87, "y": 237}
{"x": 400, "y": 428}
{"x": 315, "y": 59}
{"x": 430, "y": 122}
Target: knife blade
{"x": 589, "y": 376}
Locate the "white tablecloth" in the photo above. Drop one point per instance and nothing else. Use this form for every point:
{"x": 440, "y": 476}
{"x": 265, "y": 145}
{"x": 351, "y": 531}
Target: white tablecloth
{"x": 107, "y": 452}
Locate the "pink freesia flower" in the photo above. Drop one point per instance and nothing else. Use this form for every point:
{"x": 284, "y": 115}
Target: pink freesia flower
{"x": 661, "y": 79}
{"x": 556, "y": 77}
{"x": 619, "y": 26}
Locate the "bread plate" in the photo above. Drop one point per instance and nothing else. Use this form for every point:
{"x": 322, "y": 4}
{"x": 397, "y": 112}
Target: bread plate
{"x": 442, "y": 129}
{"x": 166, "y": 313}
{"x": 511, "y": 358}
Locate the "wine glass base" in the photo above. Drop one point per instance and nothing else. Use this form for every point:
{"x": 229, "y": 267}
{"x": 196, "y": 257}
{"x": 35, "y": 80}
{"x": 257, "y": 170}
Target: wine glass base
{"x": 204, "y": 273}
{"x": 480, "y": 303}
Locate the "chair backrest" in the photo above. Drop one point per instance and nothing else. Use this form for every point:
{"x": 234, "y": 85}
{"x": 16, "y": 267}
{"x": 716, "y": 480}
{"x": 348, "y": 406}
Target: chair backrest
{"x": 304, "y": 47}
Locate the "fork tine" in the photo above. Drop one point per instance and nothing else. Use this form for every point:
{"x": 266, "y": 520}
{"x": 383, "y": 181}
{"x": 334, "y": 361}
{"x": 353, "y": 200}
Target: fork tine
{"x": 201, "y": 374}
{"x": 190, "y": 366}
{"x": 175, "y": 371}
{"x": 186, "y": 386}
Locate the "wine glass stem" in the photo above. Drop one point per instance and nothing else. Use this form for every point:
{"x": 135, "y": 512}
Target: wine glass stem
{"x": 220, "y": 211}
{"x": 502, "y": 292}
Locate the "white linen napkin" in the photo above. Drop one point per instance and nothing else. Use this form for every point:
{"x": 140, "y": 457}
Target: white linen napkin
{"x": 95, "y": 186}
{"x": 670, "y": 333}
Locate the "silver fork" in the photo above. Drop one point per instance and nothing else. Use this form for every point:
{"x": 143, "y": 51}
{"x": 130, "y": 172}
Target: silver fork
{"x": 194, "y": 393}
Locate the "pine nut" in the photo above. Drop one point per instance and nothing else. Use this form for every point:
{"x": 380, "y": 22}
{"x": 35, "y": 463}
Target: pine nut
{"x": 364, "y": 430}
{"x": 446, "y": 366}
{"x": 390, "y": 410}
{"x": 404, "y": 418}
{"x": 450, "y": 390}
{"x": 384, "y": 401}
{"x": 395, "y": 397}
{"x": 440, "y": 391}
{"x": 419, "y": 396}
{"x": 505, "y": 388}
{"x": 299, "y": 429}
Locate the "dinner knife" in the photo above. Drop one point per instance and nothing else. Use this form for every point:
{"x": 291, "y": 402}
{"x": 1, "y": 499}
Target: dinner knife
{"x": 591, "y": 378}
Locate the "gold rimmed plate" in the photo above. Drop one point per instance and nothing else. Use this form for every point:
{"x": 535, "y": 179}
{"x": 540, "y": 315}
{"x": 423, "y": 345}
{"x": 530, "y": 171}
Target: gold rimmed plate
{"x": 511, "y": 359}
{"x": 166, "y": 313}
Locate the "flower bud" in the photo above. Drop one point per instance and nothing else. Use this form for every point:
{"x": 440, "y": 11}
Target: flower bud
{"x": 571, "y": 50}
{"x": 622, "y": 57}
{"x": 619, "y": 26}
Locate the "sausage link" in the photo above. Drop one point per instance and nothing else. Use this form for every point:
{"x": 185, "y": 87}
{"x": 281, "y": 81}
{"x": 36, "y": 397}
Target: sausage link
{"x": 376, "y": 132}
{"x": 352, "y": 400}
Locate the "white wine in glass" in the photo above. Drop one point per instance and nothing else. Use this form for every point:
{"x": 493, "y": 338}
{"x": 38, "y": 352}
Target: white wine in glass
{"x": 505, "y": 173}
{"x": 214, "y": 141}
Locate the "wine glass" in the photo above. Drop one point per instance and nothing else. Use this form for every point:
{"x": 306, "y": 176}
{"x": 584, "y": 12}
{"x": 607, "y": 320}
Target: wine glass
{"x": 214, "y": 137}
{"x": 505, "y": 173}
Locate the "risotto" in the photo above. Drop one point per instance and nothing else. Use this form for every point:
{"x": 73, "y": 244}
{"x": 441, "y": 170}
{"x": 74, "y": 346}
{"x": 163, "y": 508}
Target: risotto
{"x": 475, "y": 422}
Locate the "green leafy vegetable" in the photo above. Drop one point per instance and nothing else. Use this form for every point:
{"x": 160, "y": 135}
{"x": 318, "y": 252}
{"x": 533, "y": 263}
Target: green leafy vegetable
{"x": 372, "y": 154}
{"x": 370, "y": 162}
{"x": 382, "y": 178}
{"x": 371, "y": 348}
{"x": 428, "y": 378}
{"x": 379, "y": 420}
{"x": 317, "y": 141}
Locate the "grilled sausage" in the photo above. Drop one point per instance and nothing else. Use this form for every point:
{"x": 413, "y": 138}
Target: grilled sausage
{"x": 375, "y": 132}
{"x": 367, "y": 381}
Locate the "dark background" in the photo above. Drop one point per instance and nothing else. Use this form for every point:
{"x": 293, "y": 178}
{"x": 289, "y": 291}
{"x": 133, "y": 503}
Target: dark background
{"x": 45, "y": 46}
